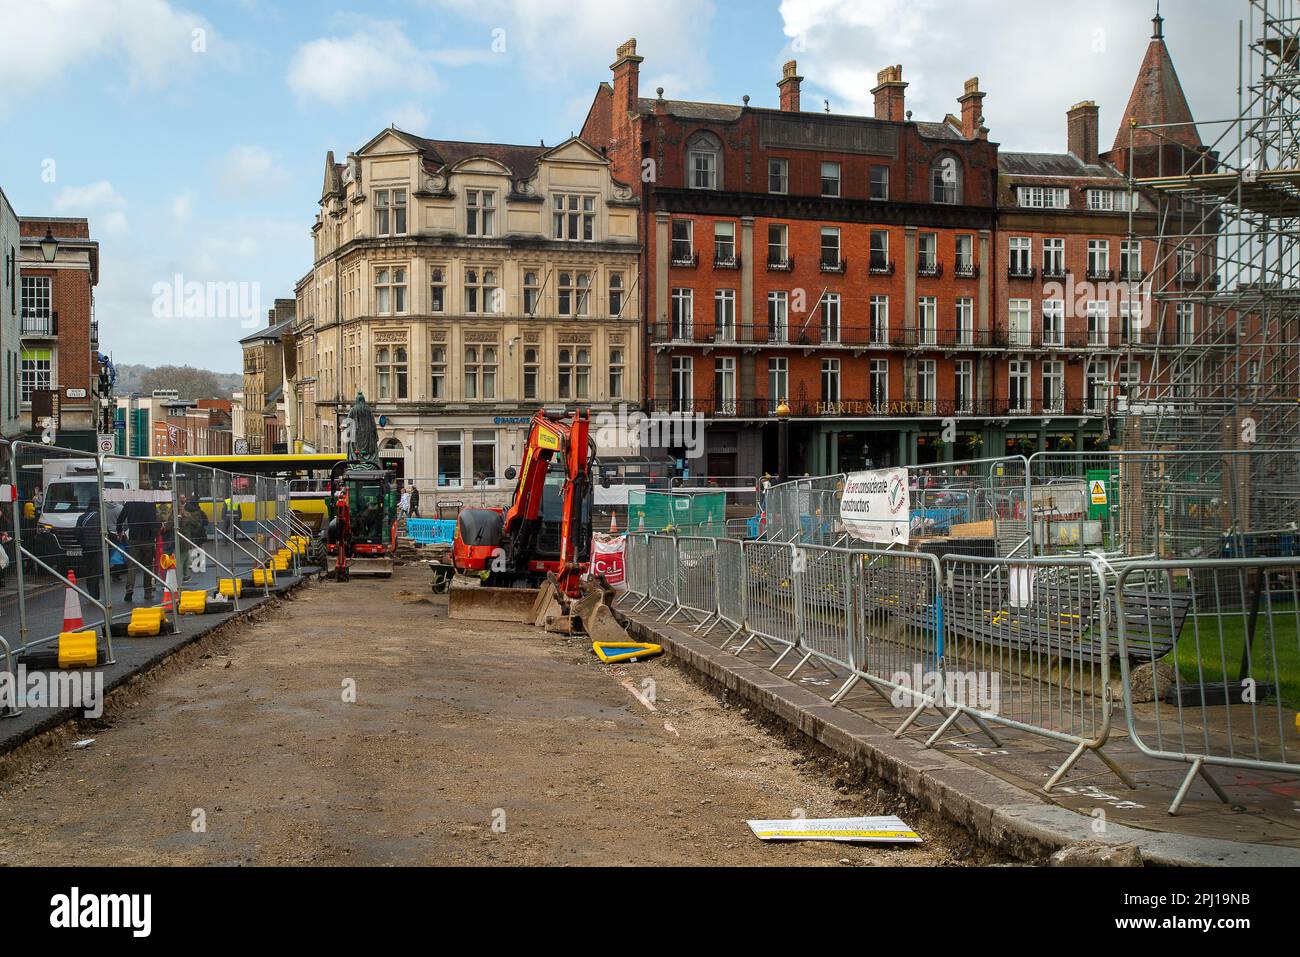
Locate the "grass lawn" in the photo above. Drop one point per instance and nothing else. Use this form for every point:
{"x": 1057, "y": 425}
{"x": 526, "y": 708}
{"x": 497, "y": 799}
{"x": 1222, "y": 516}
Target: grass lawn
{"x": 1275, "y": 654}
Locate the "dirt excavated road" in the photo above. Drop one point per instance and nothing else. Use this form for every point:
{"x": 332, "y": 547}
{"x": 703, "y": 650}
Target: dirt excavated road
{"x": 466, "y": 744}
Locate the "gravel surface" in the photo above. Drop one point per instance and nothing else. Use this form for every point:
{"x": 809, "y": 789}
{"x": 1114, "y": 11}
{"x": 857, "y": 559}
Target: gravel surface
{"x": 467, "y": 743}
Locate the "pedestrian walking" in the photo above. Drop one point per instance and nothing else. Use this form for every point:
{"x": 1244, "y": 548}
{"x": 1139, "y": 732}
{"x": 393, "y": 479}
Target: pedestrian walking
{"x": 138, "y": 526}
{"x": 6, "y": 536}
{"x": 404, "y": 504}
{"x": 90, "y": 545}
{"x": 193, "y": 528}
{"x": 415, "y": 501}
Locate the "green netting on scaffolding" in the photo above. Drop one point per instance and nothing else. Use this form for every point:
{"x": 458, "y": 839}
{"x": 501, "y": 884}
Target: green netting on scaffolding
{"x": 686, "y": 512}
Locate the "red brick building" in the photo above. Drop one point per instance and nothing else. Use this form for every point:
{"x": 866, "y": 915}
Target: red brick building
{"x": 913, "y": 294}
{"x": 838, "y": 263}
{"x": 60, "y": 368}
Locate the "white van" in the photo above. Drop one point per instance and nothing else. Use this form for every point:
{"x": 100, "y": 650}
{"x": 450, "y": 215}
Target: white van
{"x": 71, "y": 486}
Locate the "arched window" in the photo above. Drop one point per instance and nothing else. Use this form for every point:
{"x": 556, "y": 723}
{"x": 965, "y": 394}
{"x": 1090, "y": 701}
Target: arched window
{"x": 945, "y": 179}
{"x": 704, "y": 161}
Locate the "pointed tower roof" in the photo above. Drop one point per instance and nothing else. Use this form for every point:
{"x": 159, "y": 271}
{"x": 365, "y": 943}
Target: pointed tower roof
{"x": 1158, "y": 99}
{"x": 333, "y": 184}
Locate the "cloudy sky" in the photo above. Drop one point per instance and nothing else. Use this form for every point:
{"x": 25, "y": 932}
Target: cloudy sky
{"x": 192, "y": 133}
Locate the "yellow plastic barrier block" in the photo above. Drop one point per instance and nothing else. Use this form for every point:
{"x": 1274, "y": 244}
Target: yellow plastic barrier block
{"x": 263, "y": 576}
{"x": 280, "y": 563}
{"x": 193, "y": 602}
{"x": 230, "y": 587}
{"x": 612, "y": 652}
{"x": 145, "y": 622}
{"x": 78, "y": 649}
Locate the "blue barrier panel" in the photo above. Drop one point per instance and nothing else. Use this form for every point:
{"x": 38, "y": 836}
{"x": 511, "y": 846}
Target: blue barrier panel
{"x": 431, "y": 531}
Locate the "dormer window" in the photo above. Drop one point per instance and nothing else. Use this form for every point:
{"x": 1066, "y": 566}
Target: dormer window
{"x": 390, "y": 212}
{"x": 574, "y": 217}
{"x": 704, "y": 161}
{"x": 480, "y": 213}
{"x": 945, "y": 179}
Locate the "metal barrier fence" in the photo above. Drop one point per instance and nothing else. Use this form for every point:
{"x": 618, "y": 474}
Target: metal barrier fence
{"x": 1223, "y": 638}
{"x": 1040, "y": 629}
{"x": 1026, "y": 644}
{"x": 431, "y": 531}
{"x": 81, "y": 522}
{"x": 1169, "y": 503}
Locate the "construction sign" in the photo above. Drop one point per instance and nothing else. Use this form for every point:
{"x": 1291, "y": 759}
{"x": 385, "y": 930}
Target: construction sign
{"x": 1097, "y": 491}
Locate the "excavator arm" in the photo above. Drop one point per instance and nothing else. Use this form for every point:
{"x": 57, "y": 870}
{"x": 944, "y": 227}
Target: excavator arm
{"x": 548, "y": 436}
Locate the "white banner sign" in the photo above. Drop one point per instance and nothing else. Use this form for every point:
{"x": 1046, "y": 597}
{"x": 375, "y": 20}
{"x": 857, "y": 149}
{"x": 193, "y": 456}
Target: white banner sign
{"x": 871, "y": 830}
{"x": 874, "y": 506}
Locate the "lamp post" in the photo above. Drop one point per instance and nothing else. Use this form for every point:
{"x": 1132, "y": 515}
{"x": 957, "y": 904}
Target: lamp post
{"x": 783, "y": 442}
{"x": 49, "y": 246}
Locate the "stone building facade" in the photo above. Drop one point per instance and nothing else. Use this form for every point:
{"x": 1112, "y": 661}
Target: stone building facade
{"x": 461, "y": 287}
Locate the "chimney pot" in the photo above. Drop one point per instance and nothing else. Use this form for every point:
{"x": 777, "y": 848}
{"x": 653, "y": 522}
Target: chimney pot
{"x": 889, "y": 93}
{"x": 789, "y": 87}
{"x": 627, "y": 69}
{"x": 1081, "y": 131}
{"x": 972, "y": 109}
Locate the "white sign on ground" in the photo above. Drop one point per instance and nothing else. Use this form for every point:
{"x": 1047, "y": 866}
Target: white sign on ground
{"x": 873, "y": 830}
{"x": 874, "y": 506}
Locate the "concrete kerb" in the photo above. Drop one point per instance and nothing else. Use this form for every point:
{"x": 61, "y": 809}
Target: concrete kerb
{"x": 16, "y": 732}
{"x": 998, "y": 813}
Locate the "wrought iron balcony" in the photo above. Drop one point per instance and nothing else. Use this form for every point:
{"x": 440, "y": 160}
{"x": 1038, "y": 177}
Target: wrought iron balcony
{"x": 1100, "y": 275}
{"x": 726, "y": 262}
{"x": 1020, "y": 272}
{"x": 837, "y": 265}
{"x": 780, "y": 265}
{"x": 880, "y": 267}
{"x": 685, "y": 261}
{"x": 40, "y": 325}
{"x": 966, "y": 270}
{"x": 1054, "y": 272}
{"x": 931, "y": 269}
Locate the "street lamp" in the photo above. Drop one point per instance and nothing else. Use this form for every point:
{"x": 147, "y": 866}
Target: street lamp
{"x": 783, "y": 442}
{"x": 49, "y": 246}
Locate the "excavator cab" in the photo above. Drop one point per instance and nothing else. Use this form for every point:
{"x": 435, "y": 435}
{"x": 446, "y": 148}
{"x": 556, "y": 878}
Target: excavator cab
{"x": 362, "y": 532}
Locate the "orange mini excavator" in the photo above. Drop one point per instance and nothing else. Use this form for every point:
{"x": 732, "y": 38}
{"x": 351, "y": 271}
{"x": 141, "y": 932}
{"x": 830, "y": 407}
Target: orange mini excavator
{"x": 547, "y": 528}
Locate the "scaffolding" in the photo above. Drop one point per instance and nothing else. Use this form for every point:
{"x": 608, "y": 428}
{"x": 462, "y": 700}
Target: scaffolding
{"x": 1220, "y": 346}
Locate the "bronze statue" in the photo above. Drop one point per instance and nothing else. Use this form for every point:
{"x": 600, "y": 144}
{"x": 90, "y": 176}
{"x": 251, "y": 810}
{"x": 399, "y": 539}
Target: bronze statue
{"x": 365, "y": 435}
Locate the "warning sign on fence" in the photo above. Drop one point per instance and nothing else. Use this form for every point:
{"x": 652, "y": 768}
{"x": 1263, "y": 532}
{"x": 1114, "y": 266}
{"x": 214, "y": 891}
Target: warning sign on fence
{"x": 874, "y": 506}
{"x": 1098, "y": 491}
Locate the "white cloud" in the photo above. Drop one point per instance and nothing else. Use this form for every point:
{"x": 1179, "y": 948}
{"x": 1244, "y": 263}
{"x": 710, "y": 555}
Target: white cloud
{"x": 1034, "y": 62}
{"x": 375, "y": 58}
{"x": 565, "y": 40}
{"x": 182, "y": 206}
{"x": 248, "y": 168}
{"x": 99, "y": 202}
{"x": 410, "y": 117}
{"x": 151, "y": 39}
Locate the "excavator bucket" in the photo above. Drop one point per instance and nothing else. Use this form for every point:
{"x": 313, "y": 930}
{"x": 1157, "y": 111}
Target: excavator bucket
{"x": 468, "y": 603}
{"x": 370, "y": 567}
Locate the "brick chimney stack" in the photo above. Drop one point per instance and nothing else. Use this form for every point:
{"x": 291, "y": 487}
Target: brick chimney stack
{"x": 972, "y": 111}
{"x": 1081, "y": 131}
{"x": 627, "y": 70}
{"x": 789, "y": 86}
{"x": 889, "y": 93}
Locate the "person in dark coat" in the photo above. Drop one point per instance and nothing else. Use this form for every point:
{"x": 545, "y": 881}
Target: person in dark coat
{"x": 90, "y": 564}
{"x": 415, "y": 501}
{"x": 138, "y": 522}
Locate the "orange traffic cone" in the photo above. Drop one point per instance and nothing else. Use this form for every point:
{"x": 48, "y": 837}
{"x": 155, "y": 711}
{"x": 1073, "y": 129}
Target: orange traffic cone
{"x": 170, "y": 595}
{"x": 72, "y": 620}
{"x": 613, "y": 523}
